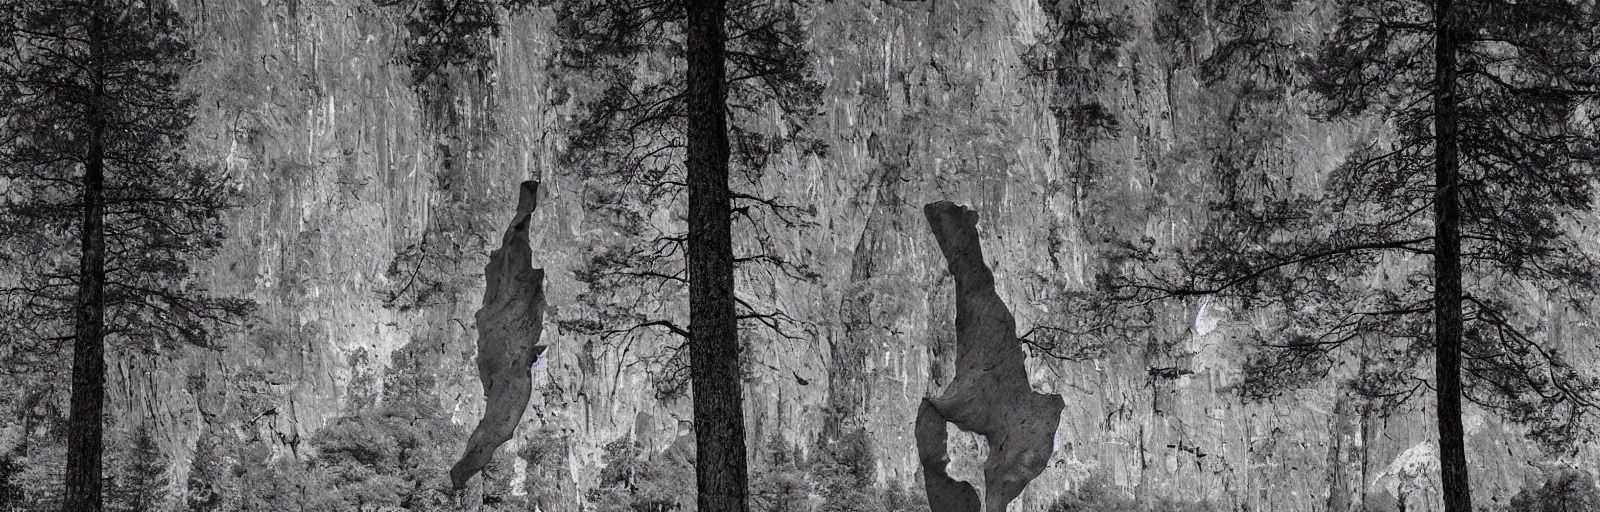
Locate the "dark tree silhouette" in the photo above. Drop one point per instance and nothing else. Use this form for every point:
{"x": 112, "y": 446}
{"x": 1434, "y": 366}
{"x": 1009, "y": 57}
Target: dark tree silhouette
{"x": 681, "y": 97}
{"x": 103, "y": 216}
{"x": 721, "y": 471}
{"x": 1480, "y": 159}
{"x": 629, "y": 141}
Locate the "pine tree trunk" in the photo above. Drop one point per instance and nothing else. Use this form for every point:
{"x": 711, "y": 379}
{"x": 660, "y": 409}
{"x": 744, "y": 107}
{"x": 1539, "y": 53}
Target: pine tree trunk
{"x": 84, "y": 429}
{"x": 720, "y": 462}
{"x": 1447, "y": 265}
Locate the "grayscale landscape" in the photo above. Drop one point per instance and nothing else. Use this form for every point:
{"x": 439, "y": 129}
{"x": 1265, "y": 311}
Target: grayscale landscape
{"x": 799, "y": 256}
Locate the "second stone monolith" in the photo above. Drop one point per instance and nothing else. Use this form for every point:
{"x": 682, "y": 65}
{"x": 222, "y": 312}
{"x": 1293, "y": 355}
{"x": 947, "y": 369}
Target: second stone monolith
{"x": 509, "y": 325}
{"x": 989, "y": 395}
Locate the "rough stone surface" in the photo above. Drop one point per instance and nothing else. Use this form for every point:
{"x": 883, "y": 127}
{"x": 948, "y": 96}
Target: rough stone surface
{"x": 508, "y": 339}
{"x": 945, "y": 494}
{"x": 989, "y": 394}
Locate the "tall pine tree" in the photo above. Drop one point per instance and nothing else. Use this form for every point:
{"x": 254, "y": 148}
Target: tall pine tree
{"x": 103, "y": 216}
{"x": 670, "y": 103}
{"x": 627, "y": 78}
{"x": 688, "y": 98}
{"x": 1417, "y": 256}
{"x": 720, "y": 460}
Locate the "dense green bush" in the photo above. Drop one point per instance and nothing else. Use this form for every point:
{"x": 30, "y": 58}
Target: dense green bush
{"x": 212, "y": 480}
{"x": 777, "y": 482}
{"x": 11, "y": 494}
{"x": 42, "y": 468}
{"x": 136, "y": 474}
{"x": 392, "y": 452}
{"x": 1097, "y": 493}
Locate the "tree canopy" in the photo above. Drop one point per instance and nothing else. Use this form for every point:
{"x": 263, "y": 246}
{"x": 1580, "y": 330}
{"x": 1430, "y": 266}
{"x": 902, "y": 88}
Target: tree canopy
{"x": 104, "y": 215}
{"x": 1469, "y": 191}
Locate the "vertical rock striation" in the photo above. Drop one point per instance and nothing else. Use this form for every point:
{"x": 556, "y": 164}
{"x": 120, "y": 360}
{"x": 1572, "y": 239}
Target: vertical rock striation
{"x": 508, "y": 339}
{"x": 990, "y": 394}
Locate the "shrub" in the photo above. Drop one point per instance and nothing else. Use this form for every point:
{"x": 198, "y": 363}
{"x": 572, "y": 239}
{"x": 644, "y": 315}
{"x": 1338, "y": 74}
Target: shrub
{"x": 547, "y": 485}
{"x": 212, "y": 481}
{"x": 1567, "y": 491}
{"x": 635, "y": 481}
{"x": 1098, "y": 493}
{"x": 136, "y": 473}
{"x": 777, "y": 482}
{"x": 844, "y": 473}
{"x": 12, "y": 496}
{"x": 383, "y": 458}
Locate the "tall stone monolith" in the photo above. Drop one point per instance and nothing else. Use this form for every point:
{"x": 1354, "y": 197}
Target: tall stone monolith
{"x": 989, "y": 395}
{"x": 508, "y": 339}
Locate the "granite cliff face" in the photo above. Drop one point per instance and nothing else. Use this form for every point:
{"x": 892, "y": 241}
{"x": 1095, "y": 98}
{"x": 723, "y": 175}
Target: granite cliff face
{"x": 372, "y": 204}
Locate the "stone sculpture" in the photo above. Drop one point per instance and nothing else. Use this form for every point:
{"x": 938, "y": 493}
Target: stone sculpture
{"x": 509, "y": 325}
{"x": 989, "y": 395}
